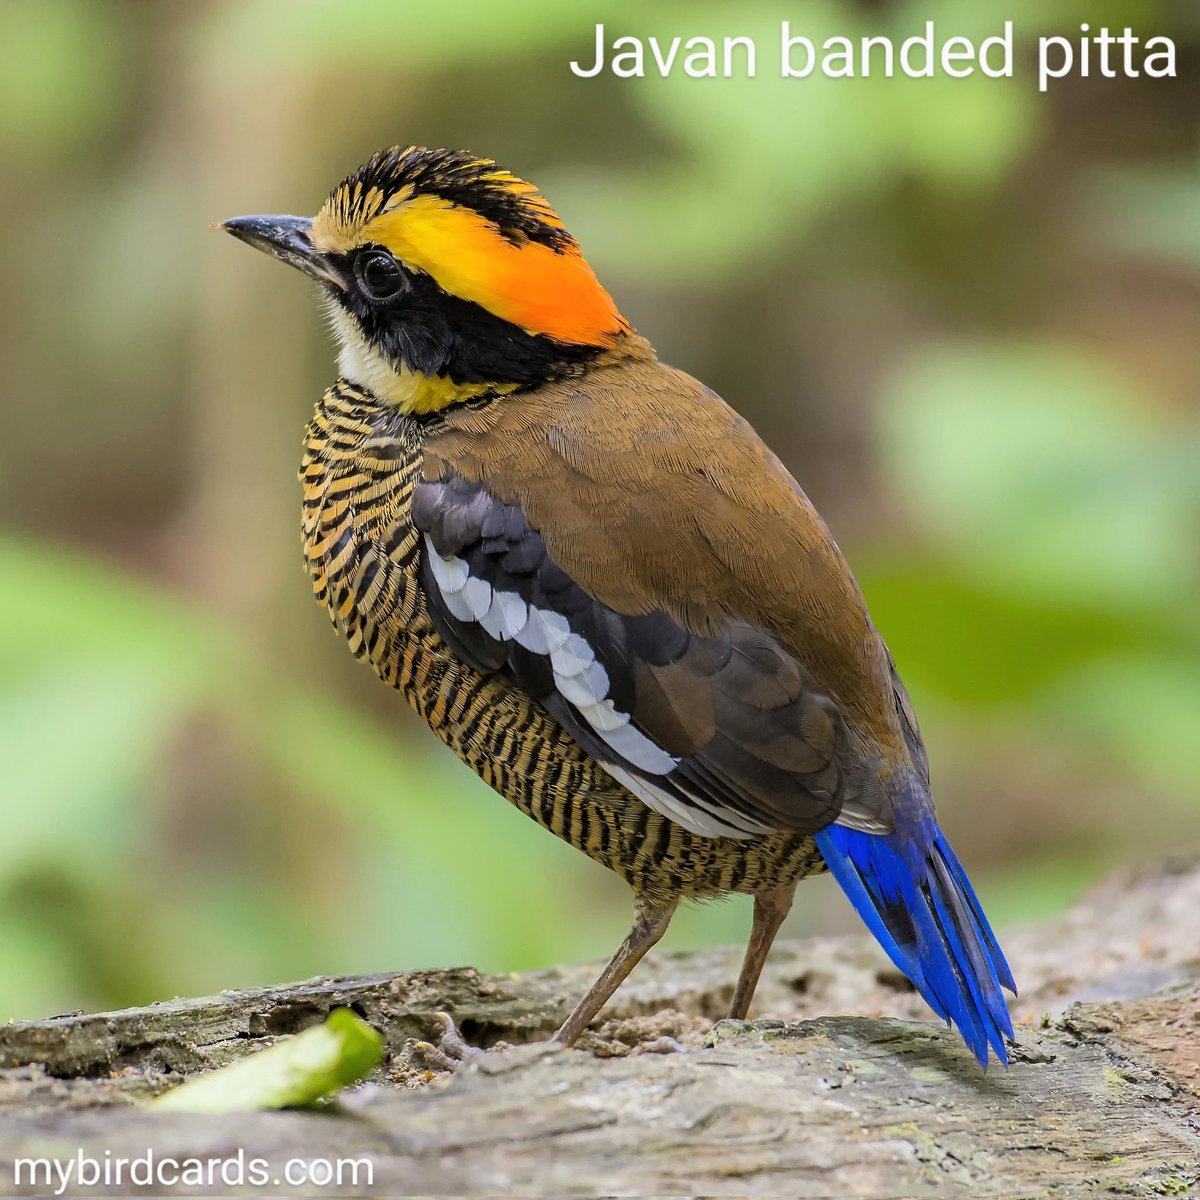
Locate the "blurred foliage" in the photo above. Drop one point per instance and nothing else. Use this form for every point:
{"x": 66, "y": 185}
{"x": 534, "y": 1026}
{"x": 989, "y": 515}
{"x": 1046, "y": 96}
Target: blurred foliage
{"x": 964, "y": 314}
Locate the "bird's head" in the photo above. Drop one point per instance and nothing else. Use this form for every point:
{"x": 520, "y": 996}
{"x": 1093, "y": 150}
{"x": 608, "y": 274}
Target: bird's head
{"x": 447, "y": 277}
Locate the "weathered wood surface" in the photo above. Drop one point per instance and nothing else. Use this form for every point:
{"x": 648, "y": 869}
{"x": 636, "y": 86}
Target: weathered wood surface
{"x": 1103, "y": 1096}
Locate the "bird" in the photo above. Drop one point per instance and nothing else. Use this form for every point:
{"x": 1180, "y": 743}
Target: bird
{"x": 601, "y": 590}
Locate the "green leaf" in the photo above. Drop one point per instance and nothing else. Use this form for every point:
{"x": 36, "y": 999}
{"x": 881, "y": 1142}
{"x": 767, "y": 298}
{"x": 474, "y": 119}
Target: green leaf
{"x": 291, "y": 1074}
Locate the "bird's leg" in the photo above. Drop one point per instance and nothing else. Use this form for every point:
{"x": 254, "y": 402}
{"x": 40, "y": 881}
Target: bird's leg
{"x": 651, "y": 923}
{"x": 770, "y": 909}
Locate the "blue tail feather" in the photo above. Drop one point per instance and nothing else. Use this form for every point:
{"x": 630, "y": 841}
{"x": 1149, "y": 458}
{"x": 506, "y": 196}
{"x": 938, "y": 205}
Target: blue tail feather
{"x": 914, "y": 896}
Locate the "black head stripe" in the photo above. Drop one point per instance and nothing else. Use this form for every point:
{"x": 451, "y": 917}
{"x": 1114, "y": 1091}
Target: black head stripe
{"x": 433, "y": 333}
{"x": 516, "y": 208}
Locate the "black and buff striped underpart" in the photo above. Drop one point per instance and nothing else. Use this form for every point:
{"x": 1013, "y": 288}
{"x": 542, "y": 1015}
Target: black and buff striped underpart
{"x": 397, "y": 600}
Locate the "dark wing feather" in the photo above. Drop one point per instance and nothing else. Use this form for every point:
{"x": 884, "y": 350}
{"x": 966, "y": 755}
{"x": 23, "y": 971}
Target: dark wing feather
{"x": 724, "y": 732}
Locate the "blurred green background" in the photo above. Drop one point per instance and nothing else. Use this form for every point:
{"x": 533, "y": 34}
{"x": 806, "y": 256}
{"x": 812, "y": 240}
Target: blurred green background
{"x": 966, "y": 316}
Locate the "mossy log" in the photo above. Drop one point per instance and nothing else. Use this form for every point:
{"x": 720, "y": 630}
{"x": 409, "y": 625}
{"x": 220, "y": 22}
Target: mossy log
{"x": 1102, "y": 1097}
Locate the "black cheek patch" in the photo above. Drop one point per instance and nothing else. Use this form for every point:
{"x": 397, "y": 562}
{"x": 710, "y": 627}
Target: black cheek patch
{"x": 428, "y": 331}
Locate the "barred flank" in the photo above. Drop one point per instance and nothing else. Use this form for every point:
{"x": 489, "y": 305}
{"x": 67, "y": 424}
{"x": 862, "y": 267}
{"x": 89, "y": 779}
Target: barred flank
{"x": 361, "y": 462}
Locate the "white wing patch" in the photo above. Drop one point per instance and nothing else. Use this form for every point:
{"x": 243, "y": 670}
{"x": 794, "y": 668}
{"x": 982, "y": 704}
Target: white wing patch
{"x": 544, "y": 632}
{"x": 635, "y": 747}
{"x": 579, "y": 678}
{"x": 478, "y": 595}
{"x": 509, "y": 616}
{"x": 582, "y": 682}
{"x": 450, "y": 573}
{"x": 585, "y": 687}
{"x": 694, "y": 819}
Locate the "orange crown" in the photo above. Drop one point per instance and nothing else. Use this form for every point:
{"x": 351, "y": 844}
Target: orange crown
{"x": 481, "y": 233}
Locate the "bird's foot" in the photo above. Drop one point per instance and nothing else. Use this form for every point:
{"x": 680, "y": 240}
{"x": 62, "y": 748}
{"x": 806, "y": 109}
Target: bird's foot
{"x": 450, "y": 1052}
{"x": 660, "y": 1045}
{"x": 666, "y": 1032}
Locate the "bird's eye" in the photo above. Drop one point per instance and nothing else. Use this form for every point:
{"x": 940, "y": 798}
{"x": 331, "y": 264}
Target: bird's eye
{"x": 379, "y": 275}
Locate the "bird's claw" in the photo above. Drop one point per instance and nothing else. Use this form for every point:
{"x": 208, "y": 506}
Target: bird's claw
{"x": 450, "y": 1052}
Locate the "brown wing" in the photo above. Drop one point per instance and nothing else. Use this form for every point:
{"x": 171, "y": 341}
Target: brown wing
{"x": 724, "y": 732}
{"x": 656, "y": 500}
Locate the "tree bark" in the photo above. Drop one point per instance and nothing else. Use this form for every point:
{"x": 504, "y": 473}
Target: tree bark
{"x": 1102, "y": 1097}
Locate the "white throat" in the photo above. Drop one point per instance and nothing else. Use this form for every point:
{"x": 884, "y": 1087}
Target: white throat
{"x": 363, "y": 365}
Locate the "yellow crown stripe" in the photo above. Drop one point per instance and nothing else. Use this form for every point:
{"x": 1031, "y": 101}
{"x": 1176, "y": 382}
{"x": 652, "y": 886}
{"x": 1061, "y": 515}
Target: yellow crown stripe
{"x": 537, "y": 288}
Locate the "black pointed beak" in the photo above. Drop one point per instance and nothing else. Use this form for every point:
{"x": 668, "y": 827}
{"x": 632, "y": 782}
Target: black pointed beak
{"x": 287, "y": 239}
